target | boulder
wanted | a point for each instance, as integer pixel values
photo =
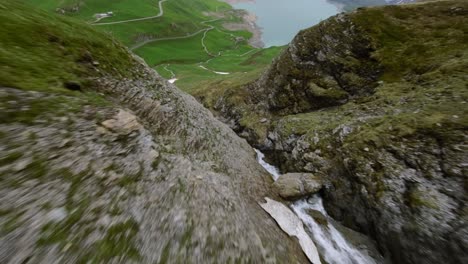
(293, 186)
(123, 123)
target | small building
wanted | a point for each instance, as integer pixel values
(103, 15)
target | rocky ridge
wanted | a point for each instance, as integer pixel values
(123, 168)
(376, 101)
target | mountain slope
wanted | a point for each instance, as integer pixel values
(101, 160)
(375, 101)
(175, 37)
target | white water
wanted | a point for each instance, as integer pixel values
(268, 167)
(173, 80)
(331, 244)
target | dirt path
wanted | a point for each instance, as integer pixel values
(139, 45)
(204, 30)
(161, 13)
(170, 71)
(204, 36)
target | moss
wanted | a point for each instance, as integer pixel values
(10, 158)
(187, 236)
(38, 168)
(182, 185)
(20, 108)
(60, 232)
(417, 199)
(118, 242)
(414, 39)
(76, 183)
(14, 220)
(156, 162)
(128, 180)
(333, 94)
(165, 254)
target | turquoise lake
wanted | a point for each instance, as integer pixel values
(280, 20)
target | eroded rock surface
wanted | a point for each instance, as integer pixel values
(127, 170)
(293, 186)
(375, 100)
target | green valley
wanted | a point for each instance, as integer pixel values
(185, 40)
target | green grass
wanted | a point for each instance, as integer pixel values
(181, 18)
(242, 69)
(174, 51)
(41, 51)
(423, 88)
(414, 43)
(123, 9)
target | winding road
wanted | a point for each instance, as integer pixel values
(205, 30)
(161, 13)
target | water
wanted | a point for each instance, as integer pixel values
(331, 244)
(280, 20)
(268, 167)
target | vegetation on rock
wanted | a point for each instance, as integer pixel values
(126, 168)
(375, 99)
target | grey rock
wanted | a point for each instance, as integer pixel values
(297, 185)
(22, 164)
(181, 173)
(57, 214)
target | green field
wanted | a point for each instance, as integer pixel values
(188, 34)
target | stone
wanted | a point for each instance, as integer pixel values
(124, 123)
(294, 186)
(318, 217)
(292, 225)
(57, 214)
(153, 154)
(21, 165)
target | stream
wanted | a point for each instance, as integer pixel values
(331, 244)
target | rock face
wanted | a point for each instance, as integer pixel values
(324, 66)
(129, 170)
(376, 101)
(293, 186)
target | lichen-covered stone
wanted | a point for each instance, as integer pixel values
(293, 186)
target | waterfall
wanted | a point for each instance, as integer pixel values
(331, 244)
(268, 167)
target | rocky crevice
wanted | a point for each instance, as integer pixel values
(354, 99)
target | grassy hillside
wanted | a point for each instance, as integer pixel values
(419, 52)
(104, 174)
(189, 32)
(43, 51)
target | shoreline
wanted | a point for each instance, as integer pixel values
(249, 23)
